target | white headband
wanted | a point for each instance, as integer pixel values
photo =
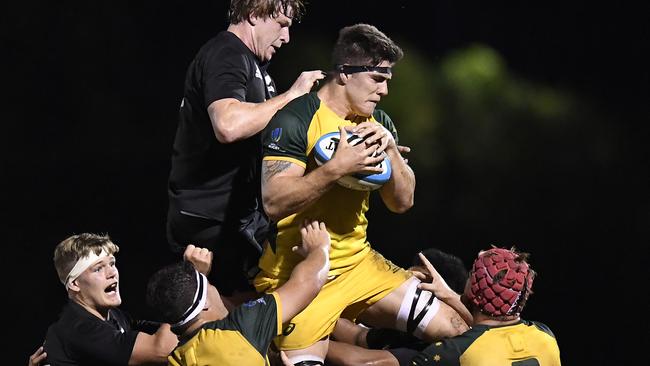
(198, 303)
(82, 264)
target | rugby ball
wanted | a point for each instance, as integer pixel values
(324, 151)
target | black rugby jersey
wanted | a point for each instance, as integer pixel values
(208, 178)
(81, 338)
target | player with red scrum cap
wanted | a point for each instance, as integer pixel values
(496, 292)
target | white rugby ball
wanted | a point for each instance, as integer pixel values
(325, 149)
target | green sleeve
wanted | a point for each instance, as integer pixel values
(385, 121)
(256, 321)
(285, 136)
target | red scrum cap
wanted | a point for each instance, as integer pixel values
(500, 282)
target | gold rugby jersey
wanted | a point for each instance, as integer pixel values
(242, 338)
(525, 343)
(291, 136)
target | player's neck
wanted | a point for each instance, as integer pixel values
(332, 95)
(100, 313)
(482, 319)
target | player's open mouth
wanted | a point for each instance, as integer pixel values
(111, 289)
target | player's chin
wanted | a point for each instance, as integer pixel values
(269, 53)
(364, 112)
(368, 109)
(116, 302)
(113, 300)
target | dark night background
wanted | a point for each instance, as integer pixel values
(527, 120)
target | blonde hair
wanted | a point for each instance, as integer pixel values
(68, 252)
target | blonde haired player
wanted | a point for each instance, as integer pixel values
(92, 330)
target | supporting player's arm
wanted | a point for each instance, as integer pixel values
(345, 354)
(442, 291)
(153, 348)
(286, 189)
(234, 120)
(348, 332)
(310, 274)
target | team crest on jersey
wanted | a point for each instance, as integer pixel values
(275, 137)
(276, 134)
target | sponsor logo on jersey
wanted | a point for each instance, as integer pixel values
(258, 73)
(269, 84)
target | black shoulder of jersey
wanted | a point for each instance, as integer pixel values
(543, 327)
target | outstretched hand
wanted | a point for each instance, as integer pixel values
(201, 258)
(432, 280)
(437, 285)
(305, 82)
(314, 237)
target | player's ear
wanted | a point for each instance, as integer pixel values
(344, 78)
(74, 286)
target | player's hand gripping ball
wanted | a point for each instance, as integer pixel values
(324, 151)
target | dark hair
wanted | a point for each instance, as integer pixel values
(170, 291)
(364, 45)
(450, 267)
(242, 10)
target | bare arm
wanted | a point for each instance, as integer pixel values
(399, 192)
(153, 348)
(309, 275)
(233, 120)
(344, 354)
(348, 332)
(287, 190)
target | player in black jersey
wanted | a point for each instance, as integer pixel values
(213, 187)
